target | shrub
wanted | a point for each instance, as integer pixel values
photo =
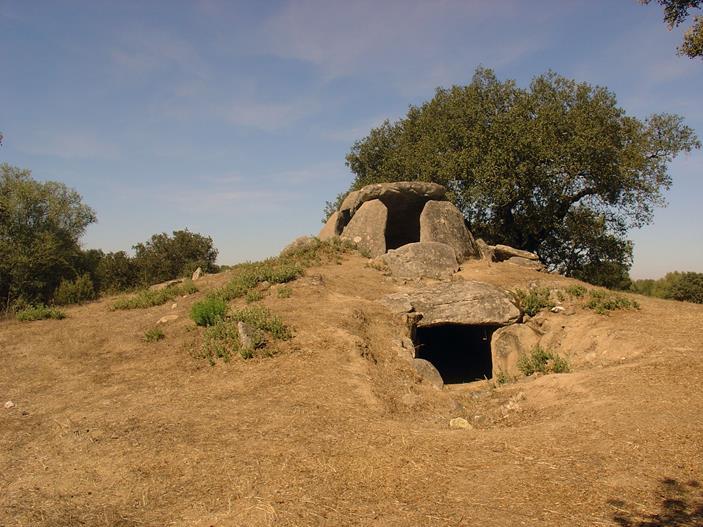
(147, 298)
(117, 272)
(75, 291)
(576, 291)
(39, 312)
(253, 295)
(284, 292)
(221, 340)
(261, 318)
(209, 311)
(603, 302)
(154, 335)
(534, 300)
(542, 361)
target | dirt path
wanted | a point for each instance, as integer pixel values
(337, 430)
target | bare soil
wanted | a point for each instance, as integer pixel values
(336, 429)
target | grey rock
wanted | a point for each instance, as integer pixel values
(503, 252)
(390, 191)
(535, 265)
(428, 372)
(486, 251)
(9, 405)
(422, 259)
(198, 273)
(508, 344)
(164, 285)
(368, 227)
(441, 221)
(246, 335)
(457, 302)
(333, 227)
(166, 319)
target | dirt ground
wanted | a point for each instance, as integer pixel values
(336, 429)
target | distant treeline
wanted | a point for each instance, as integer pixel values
(687, 287)
(42, 262)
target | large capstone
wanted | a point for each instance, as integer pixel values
(457, 302)
(390, 192)
(422, 260)
(441, 221)
(368, 227)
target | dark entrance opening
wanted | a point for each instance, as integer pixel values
(460, 353)
(403, 224)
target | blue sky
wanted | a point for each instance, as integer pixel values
(233, 118)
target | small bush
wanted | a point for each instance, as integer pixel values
(542, 361)
(154, 335)
(533, 301)
(284, 292)
(147, 298)
(75, 291)
(576, 291)
(39, 312)
(253, 296)
(602, 302)
(261, 318)
(221, 341)
(209, 311)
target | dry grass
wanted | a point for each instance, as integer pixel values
(109, 430)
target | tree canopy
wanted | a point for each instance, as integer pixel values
(40, 228)
(556, 168)
(675, 13)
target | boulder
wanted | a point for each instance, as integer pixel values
(508, 344)
(441, 221)
(503, 252)
(197, 274)
(391, 191)
(422, 260)
(457, 302)
(166, 319)
(525, 262)
(333, 227)
(459, 423)
(247, 336)
(428, 372)
(164, 285)
(368, 227)
(486, 251)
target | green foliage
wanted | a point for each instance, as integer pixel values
(147, 298)
(208, 311)
(154, 335)
(221, 340)
(165, 257)
(39, 312)
(261, 318)
(116, 272)
(557, 168)
(534, 300)
(675, 12)
(41, 224)
(75, 291)
(253, 295)
(285, 292)
(602, 302)
(576, 291)
(683, 286)
(539, 360)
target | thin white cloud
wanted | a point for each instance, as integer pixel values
(268, 116)
(68, 144)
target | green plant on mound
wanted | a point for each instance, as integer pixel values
(39, 312)
(284, 292)
(222, 339)
(602, 302)
(154, 335)
(75, 291)
(208, 311)
(534, 300)
(539, 360)
(253, 295)
(148, 298)
(576, 291)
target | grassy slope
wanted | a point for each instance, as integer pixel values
(336, 430)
